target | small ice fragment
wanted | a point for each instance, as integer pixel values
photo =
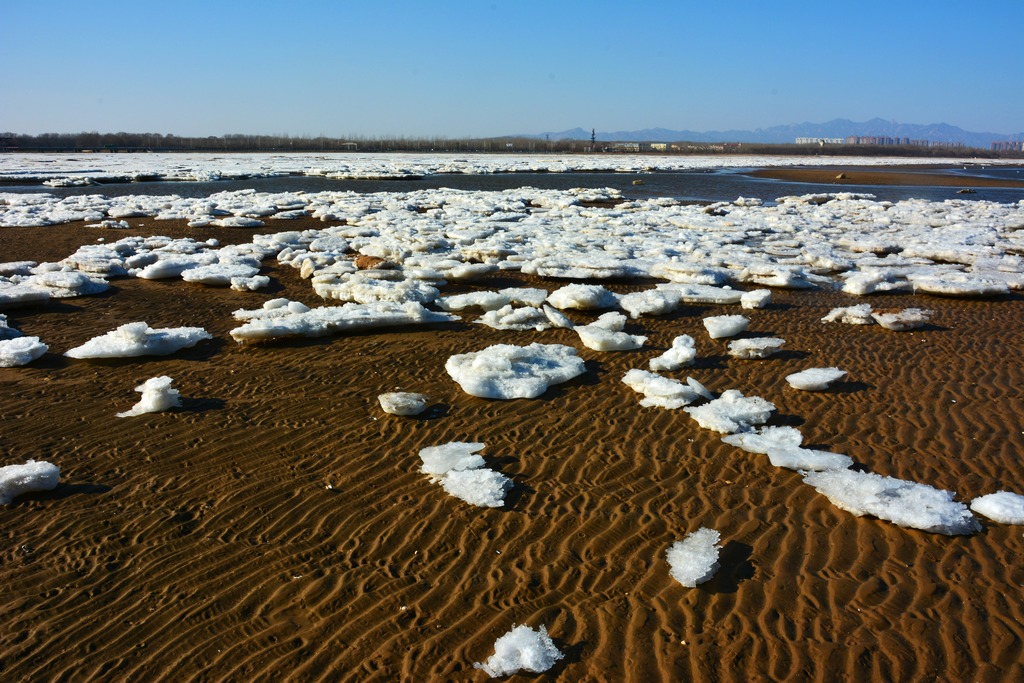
(815, 379)
(757, 298)
(34, 475)
(658, 391)
(851, 315)
(599, 338)
(403, 403)
(719, 326)
(482, 487)
(521, 649)
(1003, 507)
(902, 321)
(457, 455)
(682, 353)
(756, 348)
(157, 396)
(694, 559)
(558, 319)
(583, 297)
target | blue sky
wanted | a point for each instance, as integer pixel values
(466, 69)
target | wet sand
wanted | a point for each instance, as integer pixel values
(276, 527)
(895, 175)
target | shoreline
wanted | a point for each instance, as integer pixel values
(890, 176)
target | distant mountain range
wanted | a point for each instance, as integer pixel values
(837, 128)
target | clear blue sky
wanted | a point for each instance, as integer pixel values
(441, 68)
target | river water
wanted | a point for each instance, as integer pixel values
(703, 185)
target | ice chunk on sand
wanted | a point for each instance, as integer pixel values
(512, 318)
(67, 284)
(521, 649)
(453, 456)
(21, 294)
(600, 338)
(139, 339)
(650, 302)
(905, 503)
(558, 319)
(815, 379)
(658, 391)
(782, 446)
(732, 412)
(682, 353)
(506, 371)
(34, 475)
(403, 403)
(694, 559)
(219, 274)
(263, 325)
(719, 326)
(757, 298)
(903, 321)
(487, 301)
(956, 284)
(583, 297)
(851, 315)
(755, 348)
(20, 351)
(157, 395)
(1003, 507)
(461, 472)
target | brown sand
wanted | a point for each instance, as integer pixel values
(896, 175)
(277, 528)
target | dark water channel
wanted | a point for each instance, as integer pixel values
(707, 185)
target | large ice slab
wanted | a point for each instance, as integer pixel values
(506, 371)
(139, 339)
(732, 412)
(904, 503)
(264, 325)
(20, 351)
(720, 326)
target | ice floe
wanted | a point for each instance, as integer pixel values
(157, 395)
(681, 354)
(732, 412)
(290, 321)
(521, 649)
(583, 297)
(1003, 507)
(719, 326)
(20, 350)
(506, 371)
(904, 503)
(782, 446)
(755, 348)
(607, 334)
(694, 560)
(815, 379)
(661, 392)
(458, 468)
(139, 339)
(904, 320)
(30, 477)
(404, 403)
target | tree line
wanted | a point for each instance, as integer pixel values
(157, 142)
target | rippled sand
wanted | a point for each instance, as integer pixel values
(277, 527)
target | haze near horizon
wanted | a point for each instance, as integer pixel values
(469, 69)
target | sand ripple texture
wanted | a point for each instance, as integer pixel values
(276, 527)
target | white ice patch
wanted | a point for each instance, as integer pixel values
(219, 274)
(757, 298)
(460, 471)
(583, 297)
(139, 339)
(851, 315)
(157, 395)
(658, 391)
(719, 326)
(732, 412)
(682, 353)
(904, 503)
(1003, 507)
(650, 302)
(557, 318)
(694, 559)
(512, 318)
(905, 320)
(815, 379)
(755, 348)
(403, 403)
(505, 371)
(30, 477)
(599, 338)
(521, 649)
(270, 324)
(20, 351)
(67, 284)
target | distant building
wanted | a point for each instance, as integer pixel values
(1007, 146)
(624, 147)
(819, 141)
(659, 146)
